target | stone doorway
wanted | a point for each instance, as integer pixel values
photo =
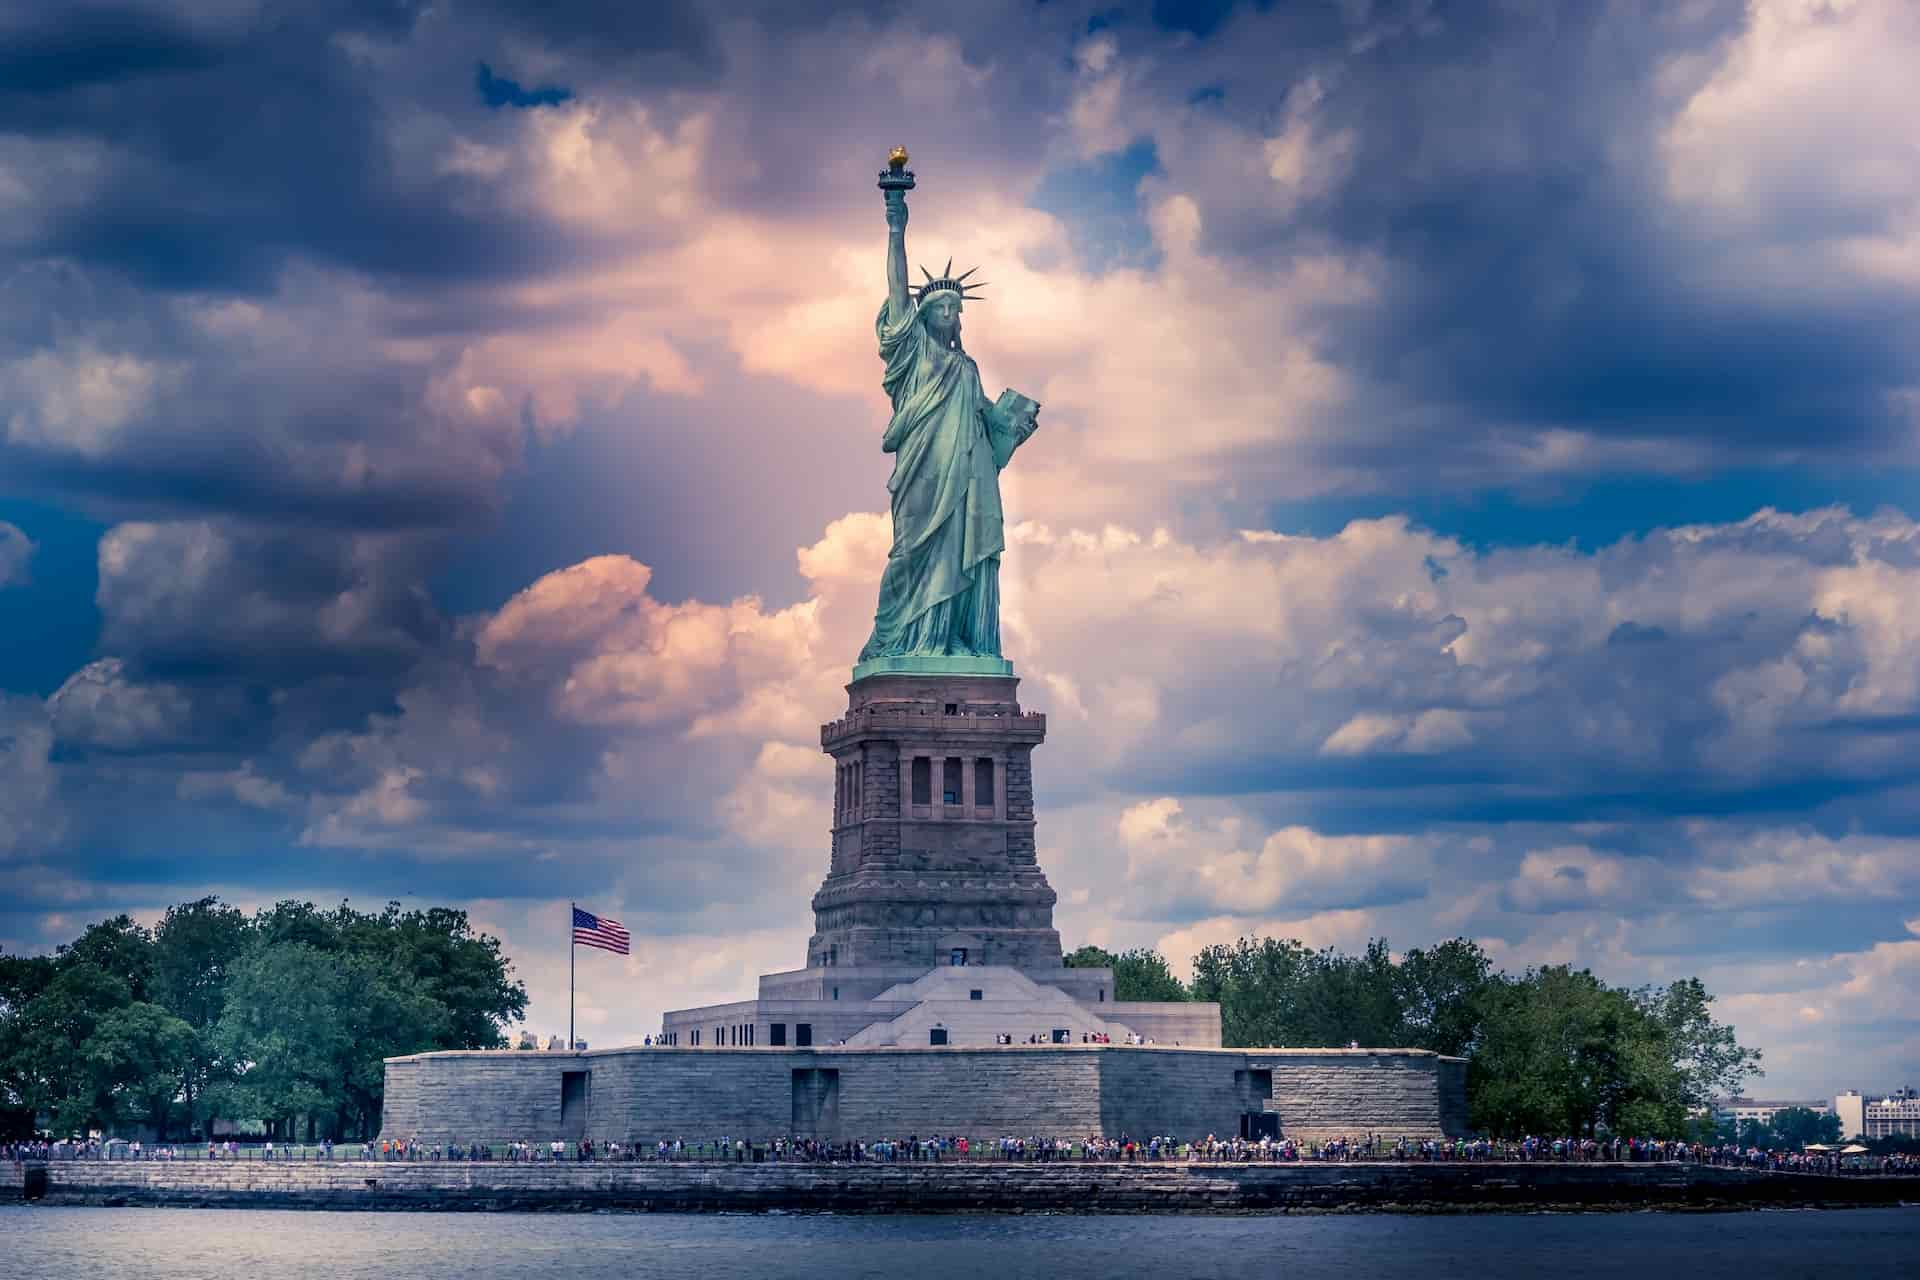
(573, 1105)
(816, 1102)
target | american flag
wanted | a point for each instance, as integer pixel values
(590, 930)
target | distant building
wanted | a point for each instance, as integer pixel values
(1738, 1111)
(1897, 1115)
(1864, 1116)
(1852, 1110)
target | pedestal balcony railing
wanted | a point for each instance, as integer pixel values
(1027, 725)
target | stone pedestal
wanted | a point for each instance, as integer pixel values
(933, 878)
(933, 836)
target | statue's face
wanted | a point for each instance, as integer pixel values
(943, 319)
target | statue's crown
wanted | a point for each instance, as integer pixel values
(946, 280)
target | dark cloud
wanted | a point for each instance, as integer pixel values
(498, 91)
(52, 52)
(197, 597)
(1506, 167)
(1195, 17)
(140, 404)
(280, 148)
(669, 40)
(1724, 674)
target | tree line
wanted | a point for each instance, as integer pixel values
(1553, 1050)
(1793, 1127)
(285, 1017)
(281, 1017)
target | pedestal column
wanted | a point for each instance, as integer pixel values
(934, 858)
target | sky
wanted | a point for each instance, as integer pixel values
(1477, 491)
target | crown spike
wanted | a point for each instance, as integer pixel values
(947, 282)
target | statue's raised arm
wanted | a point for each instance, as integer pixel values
(897, 181)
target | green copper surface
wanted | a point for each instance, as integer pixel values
(940, 592)
(932, 665)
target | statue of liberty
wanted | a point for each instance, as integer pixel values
(939, 607)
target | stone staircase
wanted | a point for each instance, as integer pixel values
(1009, 1003)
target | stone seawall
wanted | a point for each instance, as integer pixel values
(978, 1187)
(647, 1094)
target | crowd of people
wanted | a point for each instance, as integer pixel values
(135, 1149)
(1031, 1148)
(17, 1152)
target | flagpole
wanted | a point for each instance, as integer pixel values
(570, 977)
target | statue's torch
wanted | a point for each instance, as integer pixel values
(896, 176)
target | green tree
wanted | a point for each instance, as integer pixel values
(43, 1043)
(1139, 974)
(1559, 1051)
(465, 974)
(1441, 991)
(195, 946)
(1088, 957)
(22, 978)
(1893, 1144)
(1276, 992)
(1711, 1062)
(287, 1028)
(1700, 1126)
(1554, 1050)
(136, 1058)
(320, 999)
(1534, 1062)
(1797, 1127)
(1346, 999)
(120, 947)
(309, 1032)
(284, 1017)
(1256, 983)
(288, 922)
(1144, 974)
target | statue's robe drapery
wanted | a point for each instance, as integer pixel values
(940, 593)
